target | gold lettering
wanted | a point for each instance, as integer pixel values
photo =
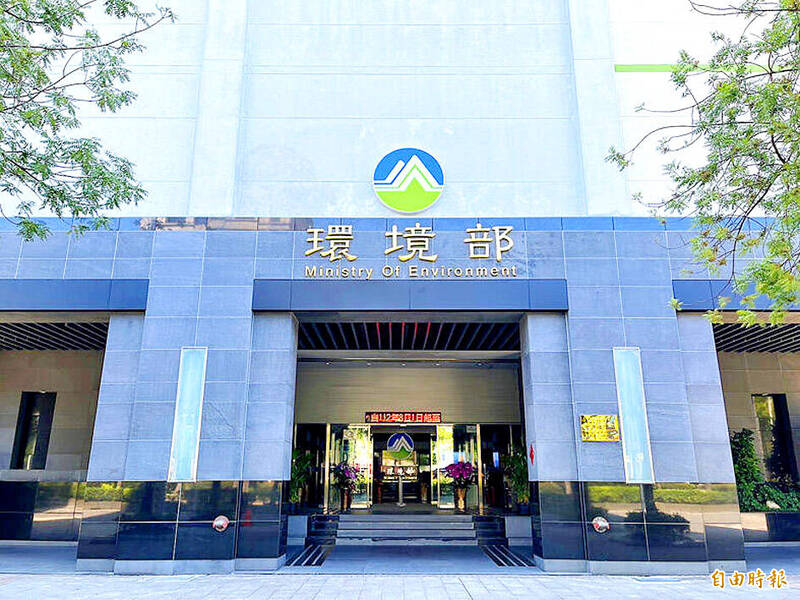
(494, 271)
(482, 271)
(506, 271)
(468, 272)
(311, 271)
(413, 271)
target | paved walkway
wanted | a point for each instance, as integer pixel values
(384, 560)
(354, 587)
(34, 571)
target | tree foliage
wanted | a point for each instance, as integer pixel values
(52, 61)
(743, 105)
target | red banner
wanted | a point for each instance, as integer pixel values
(395, 417)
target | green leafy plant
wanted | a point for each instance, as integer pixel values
(743, 106)
(52, 61)
(747, 468)
(517, 473)
(755, 494)
(302, 464)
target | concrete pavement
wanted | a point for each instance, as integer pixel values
(394, 587)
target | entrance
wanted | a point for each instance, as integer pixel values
(394, 403)
(402, 467)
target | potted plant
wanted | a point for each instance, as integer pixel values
(517, 473)
(345, 477)
(301, 475)
(462, 474)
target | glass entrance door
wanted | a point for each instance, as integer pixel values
(455, 443)
(351, 444)
(358, 453)
(424, 481)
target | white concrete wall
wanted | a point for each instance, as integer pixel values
(646, 33)
(282, 108)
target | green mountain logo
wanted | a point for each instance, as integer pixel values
(408, 180)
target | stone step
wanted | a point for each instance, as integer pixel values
(403, 525)
(408, 518)
(407, 533)
(405, 542)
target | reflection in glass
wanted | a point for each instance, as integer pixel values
(775, 433)
(34, 424)
(616, 502)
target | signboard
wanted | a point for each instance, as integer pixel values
(335, 251)
(599, 428)
(394, 417)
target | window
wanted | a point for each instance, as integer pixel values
(633, 416)
(34, 422)
(775, 432)
(188, 414)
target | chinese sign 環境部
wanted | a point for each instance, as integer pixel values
(418, 242)
(599, 428)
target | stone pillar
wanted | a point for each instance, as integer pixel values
(115, 402)
(547, 397)
(712, 450)
(270, 401)
(709, 425)
(550, 432)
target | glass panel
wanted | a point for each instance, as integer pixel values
(633, 416)
(357, 449)
(188, 413)
(442, 458)
(335, 455)
(775, 433)
(34, 424)
(465, 449)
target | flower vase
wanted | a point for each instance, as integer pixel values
(461, 499)
(347, 499)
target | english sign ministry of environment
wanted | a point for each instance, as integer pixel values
(409, 180)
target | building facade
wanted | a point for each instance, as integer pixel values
(266, 299)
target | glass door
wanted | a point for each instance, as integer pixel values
(441, 456)
(350, 444)
(465, 449)
(335, 450)
(358, 453)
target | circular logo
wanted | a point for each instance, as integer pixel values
(601, 524)
(408, 180)
(221, 523)
(400, 446)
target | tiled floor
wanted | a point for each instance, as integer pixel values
(34, 571)
(389, 587)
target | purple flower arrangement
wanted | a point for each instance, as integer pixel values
(345, 476)
(462, 474)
